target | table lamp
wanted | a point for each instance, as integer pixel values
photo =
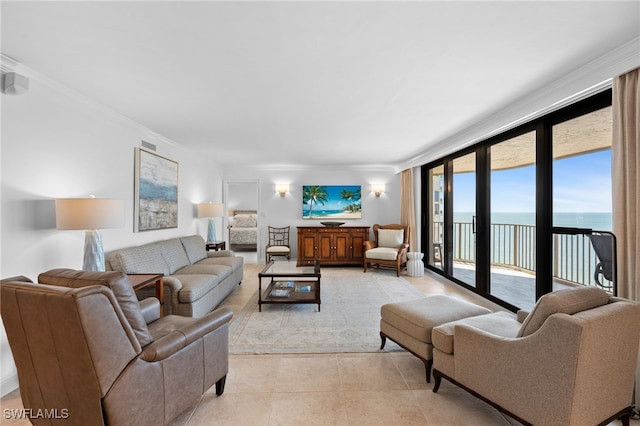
(211, 210)
(91, 214)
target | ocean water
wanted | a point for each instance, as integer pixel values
(575, 259)
(592, 220)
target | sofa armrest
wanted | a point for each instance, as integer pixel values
(150, 308)
(178, 339)
(221, 253)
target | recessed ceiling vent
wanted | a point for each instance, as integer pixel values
(148, 145)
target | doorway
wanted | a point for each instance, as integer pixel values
(242, 207)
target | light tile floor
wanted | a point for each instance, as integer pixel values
(330, 389)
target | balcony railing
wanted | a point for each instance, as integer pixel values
(514, 246)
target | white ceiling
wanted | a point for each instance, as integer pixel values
(311, 83)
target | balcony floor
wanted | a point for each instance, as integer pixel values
(512, 286)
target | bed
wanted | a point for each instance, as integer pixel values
(243, 230)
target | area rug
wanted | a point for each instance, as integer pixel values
(349, 320)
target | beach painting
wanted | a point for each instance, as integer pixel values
(331, 202)
(156, 192)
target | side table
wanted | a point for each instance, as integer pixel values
(415, 265)
(217, 245)
(139, 281)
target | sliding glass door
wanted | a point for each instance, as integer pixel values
(435, 214)
(464, 219)
(513, 220)
(582, 199)
(495, 209)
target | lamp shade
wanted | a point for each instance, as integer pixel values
(89, 213)
(210, 210)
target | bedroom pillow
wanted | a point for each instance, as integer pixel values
(245, 221)
(390, 237)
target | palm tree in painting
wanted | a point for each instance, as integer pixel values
(347, 196)
(314, 195)
(352, 198)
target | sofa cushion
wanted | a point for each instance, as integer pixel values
(564, 301)
(119, 285)
(234, 262)
(382, 253)
(222, 271)
(501, 324)
(146, 259)
(390, 237)
(195, 248)
(194, 286)
(174, 254)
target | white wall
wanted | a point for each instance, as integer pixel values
(56, 144)
(242, 196)
(277, 211)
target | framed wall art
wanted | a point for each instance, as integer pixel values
(331, 202)
(156, 192)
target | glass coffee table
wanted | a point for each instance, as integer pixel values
(289, 284)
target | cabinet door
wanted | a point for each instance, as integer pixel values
(341, 247)
(307, 247)
(325, 245)
(357, 249)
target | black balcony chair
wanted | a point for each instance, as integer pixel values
(604, 246)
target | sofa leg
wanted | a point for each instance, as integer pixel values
(428, 363)
(438, 379)
(625, 420)
(220, 385)
(383, 338)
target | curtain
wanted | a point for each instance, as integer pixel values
(626, 184)
(626, 181)
(407, 210)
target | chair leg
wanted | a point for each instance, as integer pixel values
(220, 385)
(383, 338)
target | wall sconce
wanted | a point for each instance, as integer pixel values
(91, 214)
(211, 210)
(282, 189)
(377, 188)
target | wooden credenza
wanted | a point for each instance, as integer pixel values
(340, 245)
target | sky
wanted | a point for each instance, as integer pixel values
(580, 184)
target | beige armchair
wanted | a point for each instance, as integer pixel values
(389, 247)
(86, 349)
(571, 361)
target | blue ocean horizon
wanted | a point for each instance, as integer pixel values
(322, 213)
(601, 221)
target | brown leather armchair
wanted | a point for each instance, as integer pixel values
(86, 348)
(389, 247)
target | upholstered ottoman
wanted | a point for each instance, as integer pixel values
(410, 323)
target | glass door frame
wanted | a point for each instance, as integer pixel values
(544, 199)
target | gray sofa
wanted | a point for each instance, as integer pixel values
(195, 281)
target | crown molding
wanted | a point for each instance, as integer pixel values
(379, 168)
(592, 78)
